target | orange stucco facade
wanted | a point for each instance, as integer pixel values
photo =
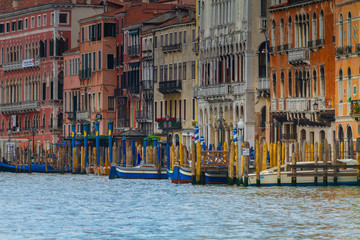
(347, 69)
(302, 70)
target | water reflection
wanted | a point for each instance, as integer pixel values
(40, 206)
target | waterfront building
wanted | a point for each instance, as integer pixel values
(232, 79)
(302, 63)
(347, 73)
(174, 77)
(33, 37)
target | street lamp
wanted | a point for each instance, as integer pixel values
(221, 123)
(33, 129)
(241, 126)
(9, 133)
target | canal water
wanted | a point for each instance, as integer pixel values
(40, 206)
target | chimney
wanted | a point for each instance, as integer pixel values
(15, 3)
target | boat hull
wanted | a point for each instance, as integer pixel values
(39, 168)
(180, 175)
(271, 180)
(140, 173)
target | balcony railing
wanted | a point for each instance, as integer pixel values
(133, 50)
(27, 106)
(144, 115)
(175, 123)
(146, 84)
(288, 136)
(299, 56)
(168, 87)
(214, 91)
(263, 84)
(172, 48)
(82, 115)
(23, 64)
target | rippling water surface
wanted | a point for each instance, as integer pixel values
(40, 206)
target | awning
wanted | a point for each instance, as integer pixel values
(134, 32)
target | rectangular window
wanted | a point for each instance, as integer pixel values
(184, 110)
(184, 71)
(39, 21)
(94, 61)
(156, 114)
(110, 61)
(175, 71)
(109, 29)
(2, 28)
(155, 74)
(13, 26)
(180, 71)
(184, 36)
(110, 103)
(165, 73)
(20, 25)
(193, 35)
(52, 19)
(82, 34)
(161, 73)
(170, 72)
(99, 102)
(63, 18)
(99, 60)
(193, 70)
(26, 23)
(44, 20)
(32, 24)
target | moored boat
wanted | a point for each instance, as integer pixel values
(39, 168)
(269, 177)
(140, 172)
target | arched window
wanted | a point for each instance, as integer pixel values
(349, 83)
(314, 83)
(273, 35)
(274, 85)
(290, 32)
(341, 30)
(282, 85)
(262, 60)
(322, 82)
(349, 29)
(321, 25)
(290, 84)
(314, 27)
(340, 85)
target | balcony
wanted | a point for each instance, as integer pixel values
(82, 115)
(299, 56)
(147, 84)
(172, 48)
(216, 92)
(29, 106)
(144, 116)
(288, 136)
(133, 50)
(168, 87)
(263, 84)
(175, 123)
(24, 64)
